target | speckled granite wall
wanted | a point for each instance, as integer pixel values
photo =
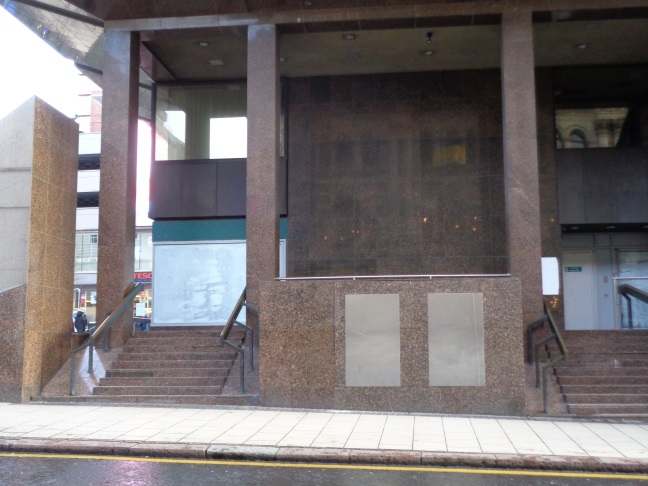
(396, 174)
(118, 176)
(40, 146)
(12, 311)
(302, 354)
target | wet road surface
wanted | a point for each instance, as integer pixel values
(84, 470)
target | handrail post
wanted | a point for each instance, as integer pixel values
(536, 356)
(251, 349)
(90, 356)
(72, 372)
(242, 371)
(534, 351)
(249, 336)
(544, 389)
(630, 313)
(106, 341)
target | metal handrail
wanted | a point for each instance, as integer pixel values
(231, 322)
(627, 291)
(126, 303)
(396, 277)
(534, 348)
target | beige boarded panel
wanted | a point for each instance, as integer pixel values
(456, 339)
(372, 339)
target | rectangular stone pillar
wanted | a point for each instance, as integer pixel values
(521, 159)
(263, 109)
(38, 175)
(118, 175)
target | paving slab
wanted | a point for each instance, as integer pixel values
(326, 436)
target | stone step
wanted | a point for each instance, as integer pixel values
(604, 380)
(609, 336)
(184, 334)
(156, 399)
(607, 363)
(169, 339)
(599, 371)
(604, 389)
(169, 373)
(608, 410)
(603, 348)
(612, 356)
(156, 390)
(176, 347)
(175, 356)
(608, 398)
(164, 381)
(161, 365)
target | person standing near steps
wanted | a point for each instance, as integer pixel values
(80, 320)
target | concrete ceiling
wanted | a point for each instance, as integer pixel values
(136, 9)
(395, 50)
(382, 44)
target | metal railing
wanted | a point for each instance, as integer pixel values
(126, 304)
(231, 322)
(534, 348)
(627, 291)
(397, 277)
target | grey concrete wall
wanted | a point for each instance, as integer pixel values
(16, 152)
(604, 185)
(38, 155)
(303, 347)
(396, 174)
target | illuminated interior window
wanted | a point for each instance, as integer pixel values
(228, 138)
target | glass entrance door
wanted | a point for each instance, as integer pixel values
(631, 289)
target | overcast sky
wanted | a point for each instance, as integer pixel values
(31, 67)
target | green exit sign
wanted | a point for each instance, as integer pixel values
(573, 269)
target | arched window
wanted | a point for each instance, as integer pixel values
(577, 139)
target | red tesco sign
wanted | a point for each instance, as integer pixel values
(143, 277)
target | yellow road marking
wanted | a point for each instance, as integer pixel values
(503, 472)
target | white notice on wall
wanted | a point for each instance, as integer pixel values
(140, 309)
(550, 276)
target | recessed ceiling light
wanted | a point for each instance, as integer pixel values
(349, 37)
(203, 43)
(429, 52)
(581, 46)
(610, 227)
(282, 59)
(308, 3)
(574, 227)
(216, 62)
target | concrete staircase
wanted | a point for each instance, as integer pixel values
(606, 373)
(181, 365)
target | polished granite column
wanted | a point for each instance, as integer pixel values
(118, 175)
(521, 159)
(263, 107)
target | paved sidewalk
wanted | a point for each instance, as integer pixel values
(326, 436)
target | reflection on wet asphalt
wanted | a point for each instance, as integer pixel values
(74, 471)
